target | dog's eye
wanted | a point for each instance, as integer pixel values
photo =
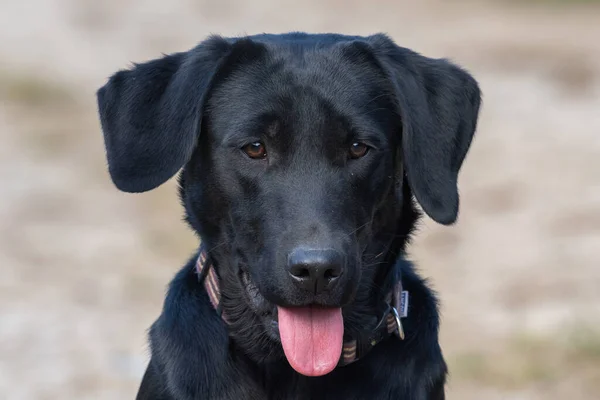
(358, 150)
(255, 150)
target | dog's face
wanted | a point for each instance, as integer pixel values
(297, 151)
(300, 162)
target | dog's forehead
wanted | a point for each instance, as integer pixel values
(309, 86)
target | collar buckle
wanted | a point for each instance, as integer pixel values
(399, 329)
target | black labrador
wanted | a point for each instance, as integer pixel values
(302, 157)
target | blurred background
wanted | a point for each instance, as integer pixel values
(83, 267)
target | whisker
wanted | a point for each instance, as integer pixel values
(362, 226)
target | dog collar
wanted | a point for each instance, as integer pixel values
(389, 324)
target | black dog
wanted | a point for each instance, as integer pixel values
(301, 155)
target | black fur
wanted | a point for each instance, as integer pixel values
(308, 98)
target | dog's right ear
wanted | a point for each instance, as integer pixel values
(151, 115)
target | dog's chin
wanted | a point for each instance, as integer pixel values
(264, 310)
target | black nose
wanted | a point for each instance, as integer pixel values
(315, 270)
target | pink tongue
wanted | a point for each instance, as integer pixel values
(312, 338)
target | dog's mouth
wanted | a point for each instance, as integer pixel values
(311, 336)
(264, 309)
(256, 300)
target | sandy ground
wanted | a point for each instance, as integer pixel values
(83, 267)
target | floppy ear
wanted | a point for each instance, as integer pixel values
(151, 114)
(439, 106)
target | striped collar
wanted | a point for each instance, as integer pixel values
(389, 324)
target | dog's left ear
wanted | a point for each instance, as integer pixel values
(439, 107)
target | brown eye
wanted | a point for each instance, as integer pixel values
(358, 150)
(255, 150)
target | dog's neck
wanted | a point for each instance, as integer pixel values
(389, 322)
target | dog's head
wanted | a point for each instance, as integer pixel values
(300, 154)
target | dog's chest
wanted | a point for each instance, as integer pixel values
(371, 378)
